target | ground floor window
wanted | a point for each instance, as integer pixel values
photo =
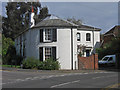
(48, 52)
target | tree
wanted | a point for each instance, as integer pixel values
(111, 48)
(81, 49)
(17, 18)
(6, 44)
(43, 14)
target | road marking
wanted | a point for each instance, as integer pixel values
(51, 76)
(27, 78)
(64, 84)
(104, 76)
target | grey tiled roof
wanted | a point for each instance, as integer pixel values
(88, 27)
(55, 23)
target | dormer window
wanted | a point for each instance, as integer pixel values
(88, 37)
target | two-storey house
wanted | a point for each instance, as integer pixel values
(57, 38)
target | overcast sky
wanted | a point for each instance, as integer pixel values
(103, 15)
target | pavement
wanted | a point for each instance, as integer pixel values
(26, 78)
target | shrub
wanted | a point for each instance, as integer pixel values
(18, 60)
(41, 65)
(49, 64)
(30, 63)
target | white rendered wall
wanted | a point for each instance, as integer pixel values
(88, 43)
(32, 42)
(63, 47)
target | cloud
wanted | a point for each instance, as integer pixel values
(102, 15)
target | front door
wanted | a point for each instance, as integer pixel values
(87, 53)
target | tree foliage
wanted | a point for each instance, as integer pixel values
(18, 14)
(111, 48)
(7, 46)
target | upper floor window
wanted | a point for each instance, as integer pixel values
(78, 36)
(88, 37)
(48, 35)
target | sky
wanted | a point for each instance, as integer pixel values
(103, 15)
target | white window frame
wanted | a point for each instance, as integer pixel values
(89, 37)
(79, 36)
(44, 50)
(44, 35)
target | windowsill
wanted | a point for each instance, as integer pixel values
(78, 41)
(47, 41)
(88, 41)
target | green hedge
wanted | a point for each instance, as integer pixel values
(49, 64)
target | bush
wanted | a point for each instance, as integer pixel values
(18, 60)
(49, 64)
(30, 63)
(41, 66)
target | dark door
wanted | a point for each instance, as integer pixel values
(87, 53)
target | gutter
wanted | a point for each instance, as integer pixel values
(71, 49)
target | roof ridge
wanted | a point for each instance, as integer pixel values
(70, 22)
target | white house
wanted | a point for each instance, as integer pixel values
(57, 38)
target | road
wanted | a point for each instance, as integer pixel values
(18, 79)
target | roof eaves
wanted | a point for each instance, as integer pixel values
(22, 32)
(89, 29)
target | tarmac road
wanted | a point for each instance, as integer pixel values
(49, 79)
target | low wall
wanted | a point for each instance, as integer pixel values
(90, 62)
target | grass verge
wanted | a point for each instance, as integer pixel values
(10, 66)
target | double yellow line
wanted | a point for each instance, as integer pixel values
(111, 86)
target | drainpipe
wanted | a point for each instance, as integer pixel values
(93, 39)
(71, 49)
(93, 49)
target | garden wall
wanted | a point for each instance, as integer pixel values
(90, 62)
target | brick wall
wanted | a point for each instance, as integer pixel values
(90, 62)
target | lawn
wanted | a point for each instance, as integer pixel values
(10, 66)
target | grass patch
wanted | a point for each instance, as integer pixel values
(10, 66)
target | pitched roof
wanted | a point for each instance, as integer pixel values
(53, 21)
(88, 27)
(117, 27)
